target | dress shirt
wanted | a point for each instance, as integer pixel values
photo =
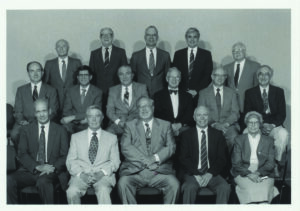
(38, 87)
(109, 52)
(123, 90)
(199, 141)
(60, 64)
(189, 53)
(253, 141)
(220, 91)
(261, 93)
(154, 50)
(86, 89)
(145, 128)
(175, 102)
(242, 63)
(46, 129)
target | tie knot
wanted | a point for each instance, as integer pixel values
(265, 91)
(83, 91)
(106, 49)
(192, 51)
(203, 132)
(126, 88)
(147, 124)
(171, 91)
(63, 61)
(35, 86)
(42, 127)
(151, 51)
(94, 133)
(218, 90)
(238, 65)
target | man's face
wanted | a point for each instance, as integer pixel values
(173, 79)
(151, 37)
(94, 118)
(106, 38)
(145, 110)
(125, 76)
(192, 39)
(84, 77)
(201, 117)
(35, 73)
(219, 77)
(264, 77)
(253, 125)
(238, 53)
(62, 48)
(42, 112)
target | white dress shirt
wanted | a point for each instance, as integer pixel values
(253, 141)
(189, 53)
(129, 91)
(199, 141)
(109, 52)
(242, 63)
(154, 50)
(60, 64)
(175, 102)
(86, 89)
(46, 130)
(38, 87)
(220, 91)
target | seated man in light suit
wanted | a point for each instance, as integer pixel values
(121, 105)
(223, 106)
(78, 98)
(147, 145)
(92, 160)
(269, 101)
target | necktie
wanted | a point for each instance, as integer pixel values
(173, 91)
(237, 75)
(218, 101)
(151, 63)
(93, 148)
(41, 152)
(204, 165)
(82, 96)
(63, 70)
(265, 100)
(35, 94)
(191, 64)
(148, 137)
(106, 58)
(126, 97)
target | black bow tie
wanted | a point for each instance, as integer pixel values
(173, 91)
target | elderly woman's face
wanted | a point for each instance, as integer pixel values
(253, 125)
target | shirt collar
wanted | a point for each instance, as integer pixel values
(150, 122)
(129, 87)
(39, 84)
(90, 132)
(148, 50)
(109, 48)
(169, 88)
(241, 62)
(46, 124)
(65, 59)
(86, 88)
(262, 89)
(215, 88)
(194, 49)
(200, 129)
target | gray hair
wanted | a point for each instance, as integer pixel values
(91, 107)
(106, 28)
(150, 101)
(191, 30)
(240, 44)
(255, 114)
(62, 40)
(173, 69)
(270, 70)
(153, 27)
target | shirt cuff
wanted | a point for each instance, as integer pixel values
(78, 175)
(156, 158)
(117, 121)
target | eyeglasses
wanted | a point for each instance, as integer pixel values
(83, 75)
(253, 123)
(219, 75)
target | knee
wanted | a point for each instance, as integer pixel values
(173, 183)
(189, 187)
(72, 191)
(123, 182)
(225, 187)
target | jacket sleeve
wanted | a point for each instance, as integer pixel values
(268, 167)
(235, 111)
(63, 150)
(18, 109)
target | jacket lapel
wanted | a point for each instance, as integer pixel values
(51, 140)
(36, 138)
(195, 149)
(101, 57)
(144, 61)
(42, 93)
(141, 133)
(158, 61)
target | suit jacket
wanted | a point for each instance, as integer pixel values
(241, 156)
(73, 106)
(24, 108)
(201, 74)
(247, 80)
(52, 76)
(229, 110)
(116, 109)
(163, 107)
(57, 148)
(189, 152)
(254, 102)
(107, 158)
(106, 78)
(139, 66)
(134, 149)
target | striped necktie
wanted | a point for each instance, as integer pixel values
(42, 142)
(106, 58)
(151, 63)
(204, 165)
(191, 64)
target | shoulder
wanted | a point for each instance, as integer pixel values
(228, 66)
(276, 88)
(75, 60)
(162, 123)
(95, 89)
(50, 61)
(48, 87)
(160, 93)
(267, 139)
(229, 90)
(206, 90)
(115, 48)
(23, 87)
(162, 52)
(214, 132)
(251, 62)
(181, 51)
(108, 136)
(203, 51)
(96, 51)
(138, 53)
(252, 90)
(114, 88)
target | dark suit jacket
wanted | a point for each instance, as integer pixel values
(24, 108)
(189, 152)
(254, 102)
(139, 66)
(163, 108)
(57, 148)
(201, 74)
(53, 78)
(242, 152)
(134, 149)
(106, 78)
(247, 80)
(73, 106)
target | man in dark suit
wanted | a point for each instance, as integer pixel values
(24, 112)
(151, 64)
(202, 159)
(42, 153)
(174, 105)
(59, 72)
(194, 63)
(269, 101)
(241, 75)
(122, 98)
(147, 145)
(78, 98)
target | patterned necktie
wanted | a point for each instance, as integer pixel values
(204, 165)
(191, 64)
(82, 96)
(63, 70)
(265, 100)
(106, 58)
(148, 137)
(171, 91)
(35, 94)
(42, 142)
(237, 75)
(126, 97)
(93, 147)
(218, 101)
(151, 63)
